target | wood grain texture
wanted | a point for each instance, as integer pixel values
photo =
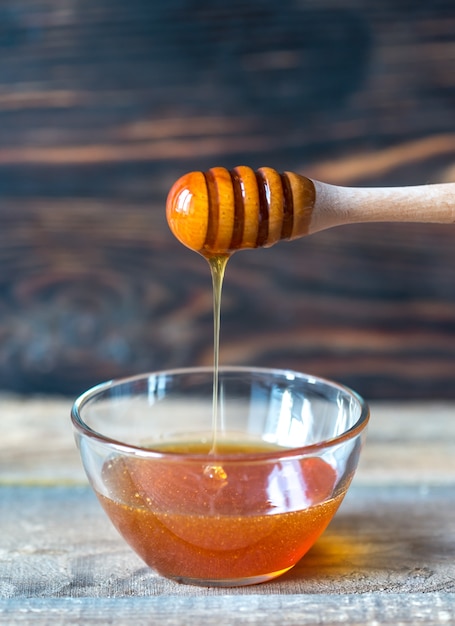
(57, 542)
(415, 442)
(387, 557)
(356, 610)
(104, 104)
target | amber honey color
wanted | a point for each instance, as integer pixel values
(236, 521)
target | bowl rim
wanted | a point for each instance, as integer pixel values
(84, 429)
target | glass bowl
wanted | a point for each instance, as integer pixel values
(236, 505)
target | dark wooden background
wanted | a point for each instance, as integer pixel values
(104, 103)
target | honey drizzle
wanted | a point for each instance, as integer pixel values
(217, 267)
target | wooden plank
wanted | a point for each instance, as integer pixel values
(369, 306)
(387, 557)
(296, 610)
(57, 542)
(334, 72)
(38, 447)
(406, 442)
(62, 564)
(103, 105)
(409, 444)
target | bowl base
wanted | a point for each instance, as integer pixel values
(231, 582)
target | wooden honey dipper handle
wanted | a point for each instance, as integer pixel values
(221, 211)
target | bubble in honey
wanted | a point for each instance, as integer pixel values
(216, 473)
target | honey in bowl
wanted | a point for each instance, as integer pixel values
(287, 447)
(227, 521)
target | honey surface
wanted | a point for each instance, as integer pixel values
(216, 522)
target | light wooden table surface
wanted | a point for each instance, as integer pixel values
(387, 558)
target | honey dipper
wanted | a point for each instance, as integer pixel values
(220, 211)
